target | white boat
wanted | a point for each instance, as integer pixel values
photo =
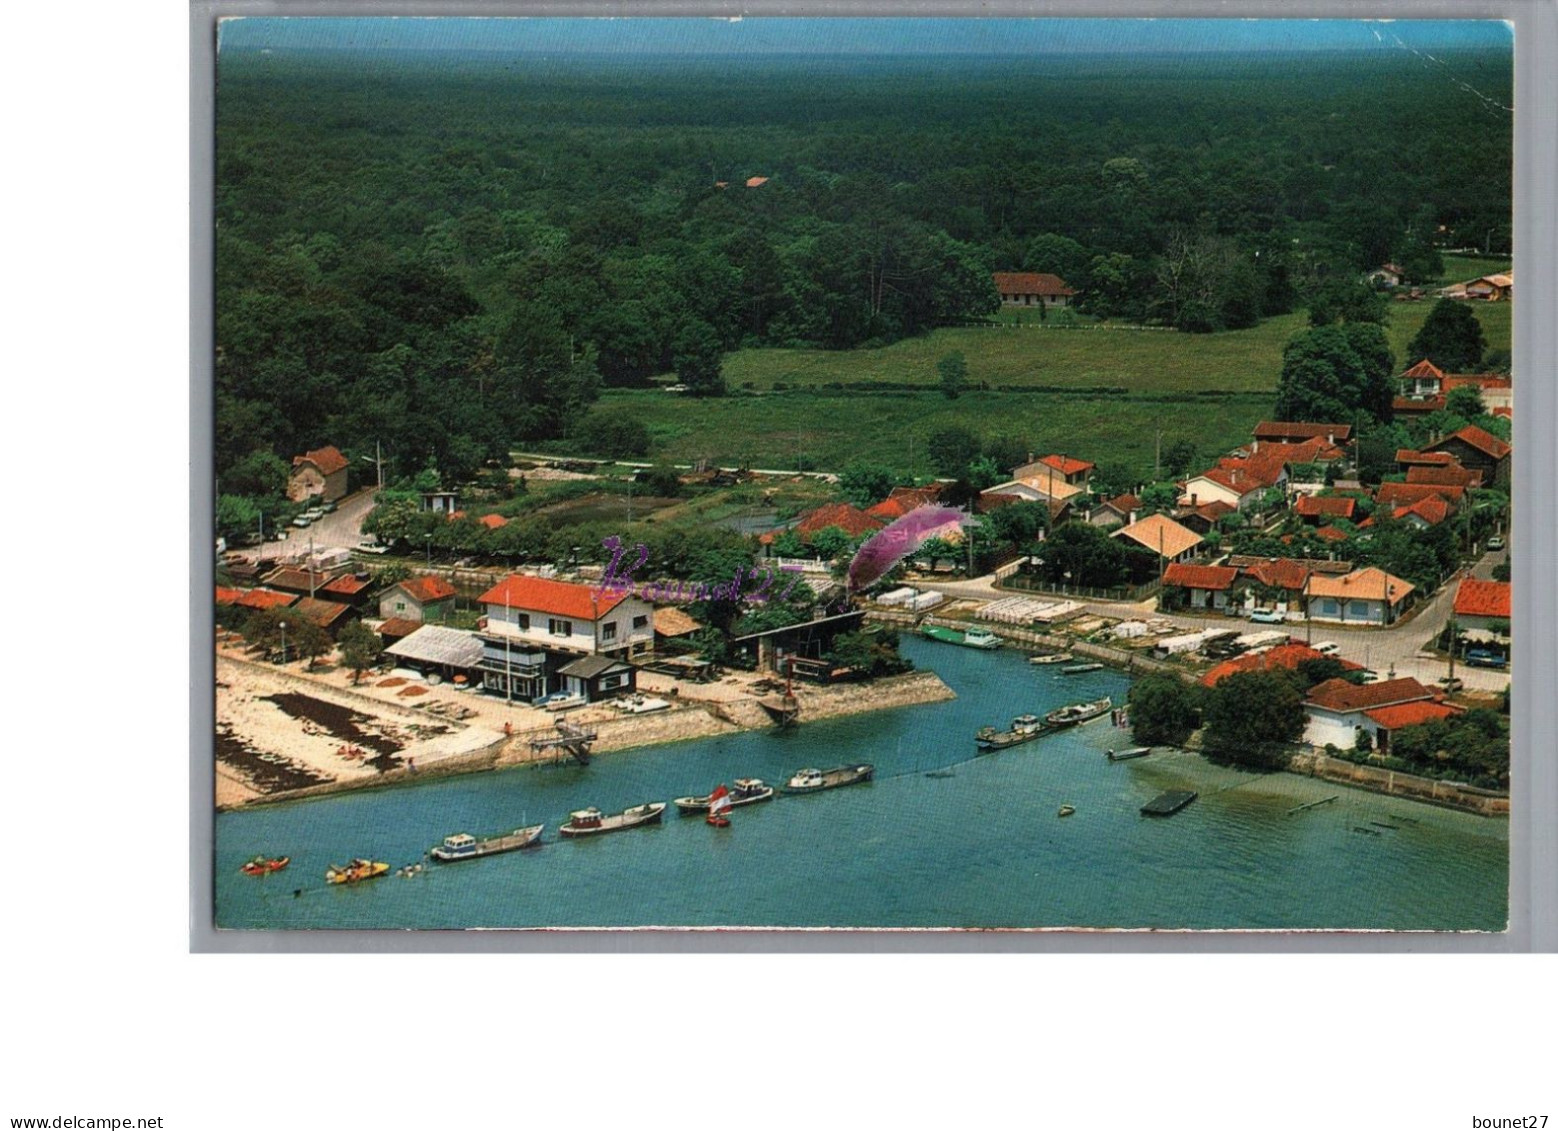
(463, 846)
(1052, 658)
(1075, 713)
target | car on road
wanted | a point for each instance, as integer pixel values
(1496, 542)
(1267, 616)
(1486, 658)
(1327, 647)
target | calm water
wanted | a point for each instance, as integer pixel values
(981, 848)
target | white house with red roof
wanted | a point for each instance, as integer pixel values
(535, 627)
(1479, 603)
(1208, 587)
(1338, 709)
(1066, 469)
(319, 474)
(418, 599)
(1028, 288)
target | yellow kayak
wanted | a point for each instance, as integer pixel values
(355, 871)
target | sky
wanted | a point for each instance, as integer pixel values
(774, 36)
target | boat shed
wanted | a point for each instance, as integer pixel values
(598, 677)
(436, 650)
(807, 641)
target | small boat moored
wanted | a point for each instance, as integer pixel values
(1074, 713)
(748, 791)
(1066, 810)
(814, 781)
(1052, 658)
(356, 872)
(1127, 755)
(463, 846)
(1078, 669)
(1025, 728)
(588, 822)
(265, 865)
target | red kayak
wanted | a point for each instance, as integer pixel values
(260, 866)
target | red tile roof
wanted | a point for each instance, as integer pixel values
(1472, 436)
(427, 589)
(1200, 576)
(1424, 459)
(1066, 465)
(226, 596)
(1029, 283)
(1411, 714)
(1332, 534)
(1341, 696)
(1282, 431)
(1280, 573)
(399, 627)
(1414, 405)
(1285, 657)
(1332, 506)
(347, 585)
(1424, 368)
(323, 613)
(493, 521)
(327, 459)
(1477, 380)
(1432, 510)
(1125, 504)
(520, 591)
(1214, 510)
(265, 599)
(1449, 476)
(850, 519)
(1405, 494)
(1317, 449)
(297, 580)
(1478, 598)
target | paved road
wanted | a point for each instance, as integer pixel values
(341, 529)
(1380, 649)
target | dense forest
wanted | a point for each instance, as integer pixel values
(449, 257)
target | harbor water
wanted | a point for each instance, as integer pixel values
(978, 845)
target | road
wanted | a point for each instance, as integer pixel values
(1384, 650)
(341, 529)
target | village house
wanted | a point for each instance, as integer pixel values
(1118, 511)
(1167, 539)
(319, 474)
(1240, 483)
(1201, 519)
(419, 599)
(1430, 511)
(349, 589)
(1386, 275)
(1492, 288)
(439, 653)
(1205, 586)
(441, 502)
(1425, 379)
(332, 616)
(1297, 432)
(1051, 489)
(1406, 494)
(1446, 475)
(1074, 472)
(1020, 288)
(304, 582)
(1409, 408)
(901, 500)
(1482, 604)
(258, 600)
(1338, 710)
(1478, 450)
(850, 519)
(1497, 391)
(1365, 596)
(1311, 509)
(1284, 657)
(1407, 459)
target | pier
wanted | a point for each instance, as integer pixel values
(569, 740)
(1168, 803)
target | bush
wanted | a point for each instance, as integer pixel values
(616, 435)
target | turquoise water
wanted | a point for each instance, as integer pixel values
(983, 848)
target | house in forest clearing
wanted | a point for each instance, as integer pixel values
(1027, 288)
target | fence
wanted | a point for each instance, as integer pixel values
(1028, 583)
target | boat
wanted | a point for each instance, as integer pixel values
(1168, 803)
(972, 638)
(638, 705)
(1052, 658)
(1025, 728)
(1074, 713)
(588, 822)
(1127, 755)
(1067, 810)
(1078, 669)
(719, 805)
(264, 866)
(356, 872)
(463, 846)
(748, 791)
(814, 781)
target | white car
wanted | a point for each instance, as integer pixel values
(1327, 647)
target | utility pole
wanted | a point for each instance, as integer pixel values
(310, 565)
(1157, 458)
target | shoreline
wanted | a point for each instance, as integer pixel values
(691, 718)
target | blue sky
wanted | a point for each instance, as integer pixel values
(760, 36)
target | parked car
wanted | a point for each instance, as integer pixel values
(328, 506)
(1496, 542)
(1485, 658)
(314, 514)
(1450, 683)
(1267, 616)
(371, 547)
(302, 520)
(1368, 675)
(1327, 647)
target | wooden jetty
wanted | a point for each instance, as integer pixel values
(1311, 805)
(570, 739)
(1127, 755)
(1168, 803)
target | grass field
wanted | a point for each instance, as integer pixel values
(1100, 394)
(1034, 356)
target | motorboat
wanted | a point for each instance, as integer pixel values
(463, 846)
(591, 821)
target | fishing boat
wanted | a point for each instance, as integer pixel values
(719, 805)
(1074, 713)
(814, 781)
(1052, 658)
(356, 872)
(747, 791)
(463, 846)
(971, 638)
(1127, 755)
(1024, 728)
(1066, 810)
(588, 822)
(1078, 669)
(265, 865)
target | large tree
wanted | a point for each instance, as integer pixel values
(1164, 709)
(1253, 717)
(1451, 338)
(1336, 374)
(952, 449)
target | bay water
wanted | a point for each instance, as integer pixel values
(983, 847)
